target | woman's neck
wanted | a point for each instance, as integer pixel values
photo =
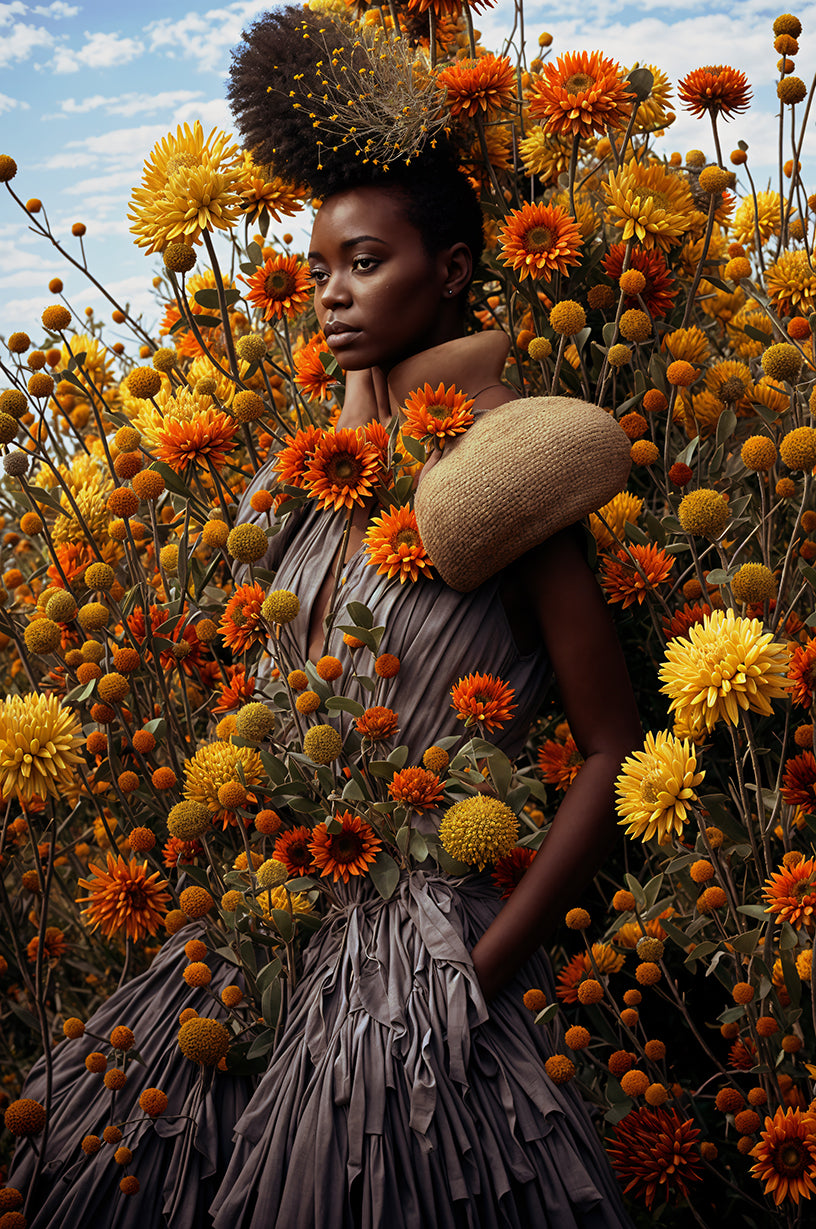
(473, 363)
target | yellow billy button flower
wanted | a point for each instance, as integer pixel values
(656, 787)
(478, 830)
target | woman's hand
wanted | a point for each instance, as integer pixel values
(366, 398)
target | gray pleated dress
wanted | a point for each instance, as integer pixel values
(397, 1098)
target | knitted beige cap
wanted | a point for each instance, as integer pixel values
(522, 472)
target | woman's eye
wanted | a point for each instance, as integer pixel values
(318, 276)
(365, 263)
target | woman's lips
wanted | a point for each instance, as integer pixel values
(339, 335)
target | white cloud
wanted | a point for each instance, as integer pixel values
(213, 114)
(204, 37)
(10, 104)
(18, 43)
(126, 104)
(100, 51)
(56, 10)
(9, 11)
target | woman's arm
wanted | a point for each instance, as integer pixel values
(600, 708)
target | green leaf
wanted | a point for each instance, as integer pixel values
(684, 457)
(43, 497)
(747, 943)
(652, 889)
(269, 973)
(283, 924)
(361, 615)
(209, 297)
(347, 706)
(384, 874)
(305, 884)
(548, 1013)
(418, 847)
(271, 1003)
(756, 911)
(450, 865)
(255, 254)
(636, 890)
(633, 533)
(352, 792)
(731, 1013)
(726, 425)
(398, 757)
(362, 633)
(702, 949)
(262, 1044)
(80, 693)
(415, 447)
(677, 935)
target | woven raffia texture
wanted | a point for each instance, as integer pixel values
(518, 475)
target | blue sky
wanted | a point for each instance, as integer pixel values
(87, 88)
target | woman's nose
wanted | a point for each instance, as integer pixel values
(335, 292)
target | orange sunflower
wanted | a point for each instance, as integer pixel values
(799, 782)
(786, 1156)
(343, 469)
(124, 897)
(437, 415)
(791, 894)
(483, 699)
(621, 581)
(478, 87)
(803, 672)
(347, 852)
(292, 848)
(378, 723)
(540, 239)
(582, 93)
(682, 620)
(280, 287)
(715, 89)
(655, 1150)
(394, 547)
(241, 624)
(560, 763)
(311, 376)
(417, 788)
(508, 871)
(206, 436)
(660, 290)
(237, 691)
(295, 456)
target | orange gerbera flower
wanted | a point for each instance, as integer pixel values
(791, 894)
(293, 850)
(311, 376)
(655, 1150)
(239, 690)
(205, 437)
(124, 897)
(716, 89)
(436, 415)
(483, 699)
(786, 1156)
(799, 782)
(295, 456)
(347, 852)
(803, 672)
(280, 287)
(509, 870)
(177, 853)
(570, 978)
(560, 763)
(417, 788)
(682, 620)
(540, 239)
(394, 547)
(241, 624)
(477, 87)
(378, 723)
(742, 1054)
(377, 435)
(582, 93)
(660, 290)
(621, 580)
(343, 469)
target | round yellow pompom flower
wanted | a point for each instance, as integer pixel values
(254, 722)
(479, 830)
(703, 513)
(203, 1041)
(322, 744)
(188, 820)
(758, 453)
(782, 362)
(247, 543)
(754, 582)
(798, 448)
(567, 317)
(280, 606)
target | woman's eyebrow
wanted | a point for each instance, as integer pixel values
(349, 243)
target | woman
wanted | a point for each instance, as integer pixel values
(408, 1086)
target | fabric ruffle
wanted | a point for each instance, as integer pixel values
(397, 1099)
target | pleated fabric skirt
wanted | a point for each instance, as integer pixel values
(396, 1099)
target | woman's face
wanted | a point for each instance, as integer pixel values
(379, 296)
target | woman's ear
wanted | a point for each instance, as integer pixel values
(459, 264)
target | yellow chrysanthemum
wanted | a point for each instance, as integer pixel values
(744, 345)
(478, 830)
(766, 217)
(278, 898)
(264, 192)
(225, 389)
(791, 284)
(189, 185)
(212, 766)
(690, 345)
(652, 205)
(545, 156)
(656, 787)
(96, 362)
(39, 741)
(620, 509)
(724, 665)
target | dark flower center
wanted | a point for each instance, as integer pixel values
(538, 239)
(345, 847)
(578, 83)
(405, 537)
(279, 285)
(789, 1158)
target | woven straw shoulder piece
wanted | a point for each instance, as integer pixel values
(522, 472)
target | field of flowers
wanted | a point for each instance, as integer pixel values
(164, 756)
